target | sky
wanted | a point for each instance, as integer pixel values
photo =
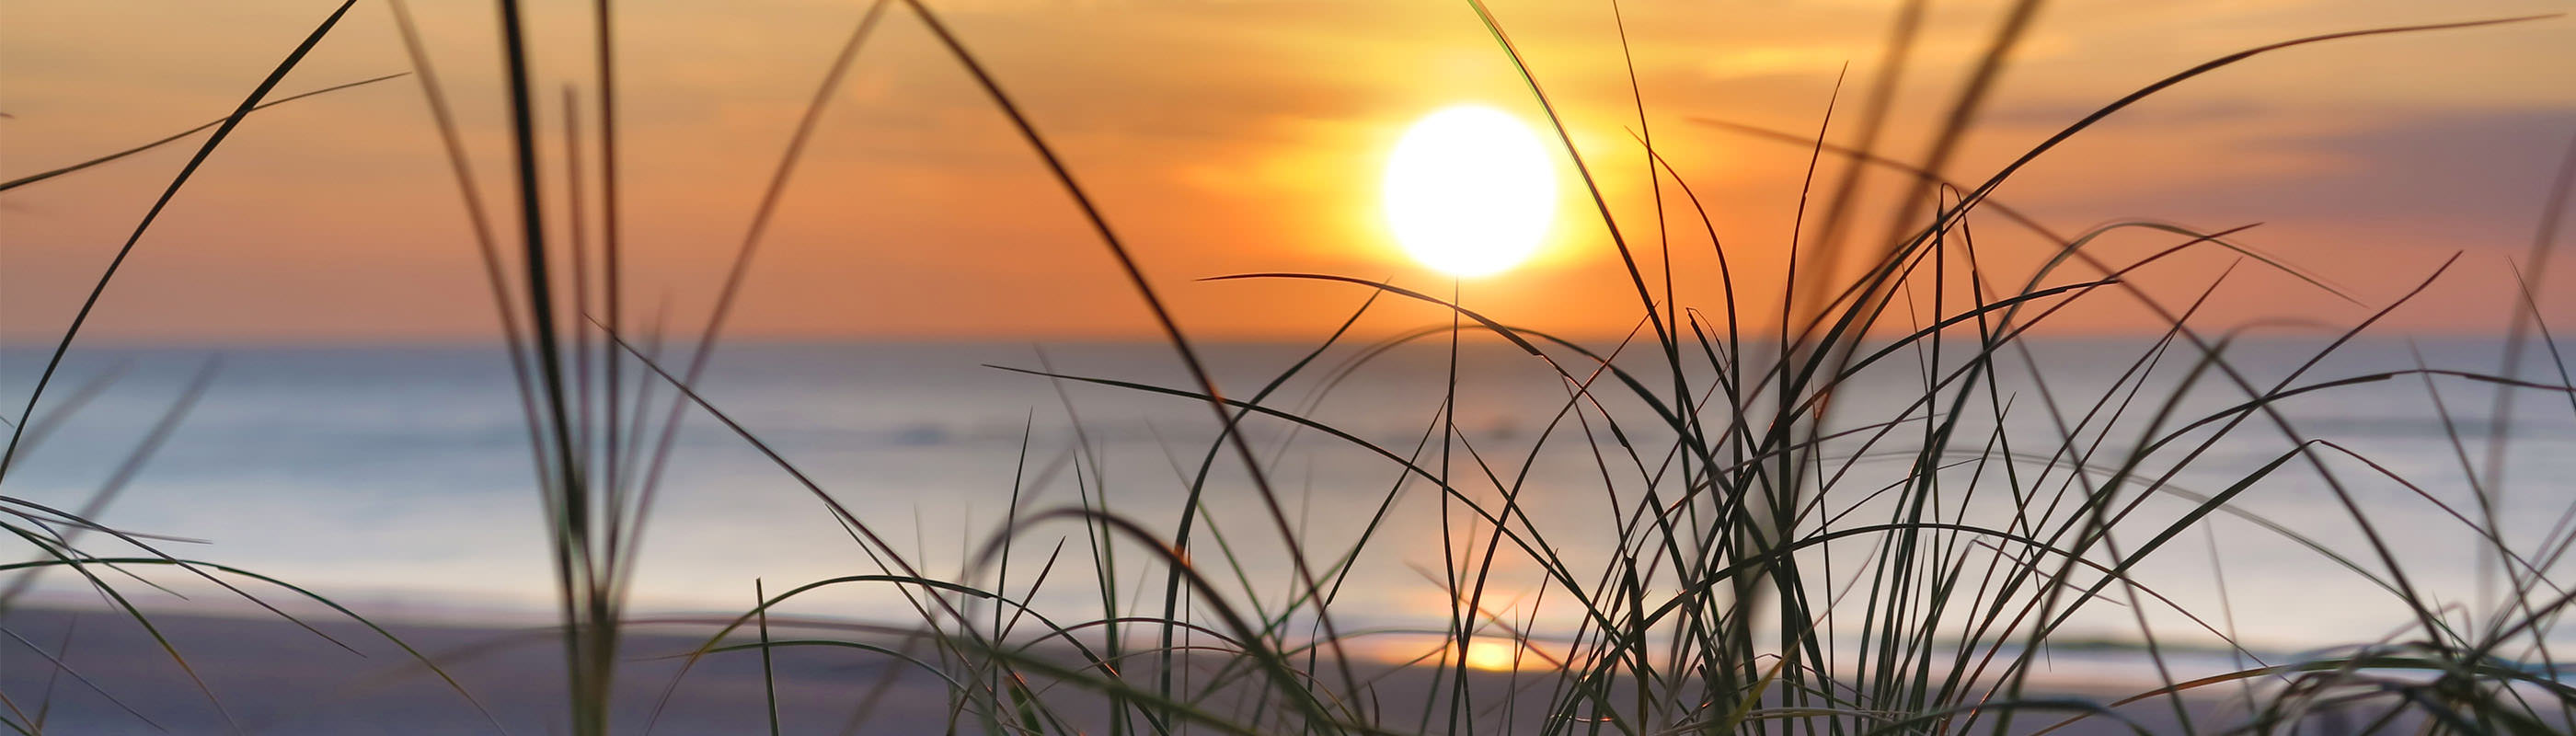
(1224, 137)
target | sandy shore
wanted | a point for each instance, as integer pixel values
(272, 677)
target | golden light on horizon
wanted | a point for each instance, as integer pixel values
(1493, 656)
(1470, 190)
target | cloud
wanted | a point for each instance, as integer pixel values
(2428, 170)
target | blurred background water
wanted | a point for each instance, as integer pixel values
(397, 480)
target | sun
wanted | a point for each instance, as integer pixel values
(1493, 656)
(1470, 190)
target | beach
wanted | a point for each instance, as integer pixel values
(404, 463)
(274, 677)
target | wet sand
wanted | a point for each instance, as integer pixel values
(272, 677)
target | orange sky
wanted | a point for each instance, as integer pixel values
(1226, 137)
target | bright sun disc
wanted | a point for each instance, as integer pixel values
(1493, 656)
(1470, 190)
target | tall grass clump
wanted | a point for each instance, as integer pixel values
(1785, 543)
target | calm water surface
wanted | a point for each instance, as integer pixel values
(398, 480)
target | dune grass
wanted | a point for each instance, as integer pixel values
(1782, 559)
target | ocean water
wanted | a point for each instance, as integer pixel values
(397, 479)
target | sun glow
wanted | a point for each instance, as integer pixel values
(1493, 656)
(1470, 190)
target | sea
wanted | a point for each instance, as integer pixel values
(397, 479)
